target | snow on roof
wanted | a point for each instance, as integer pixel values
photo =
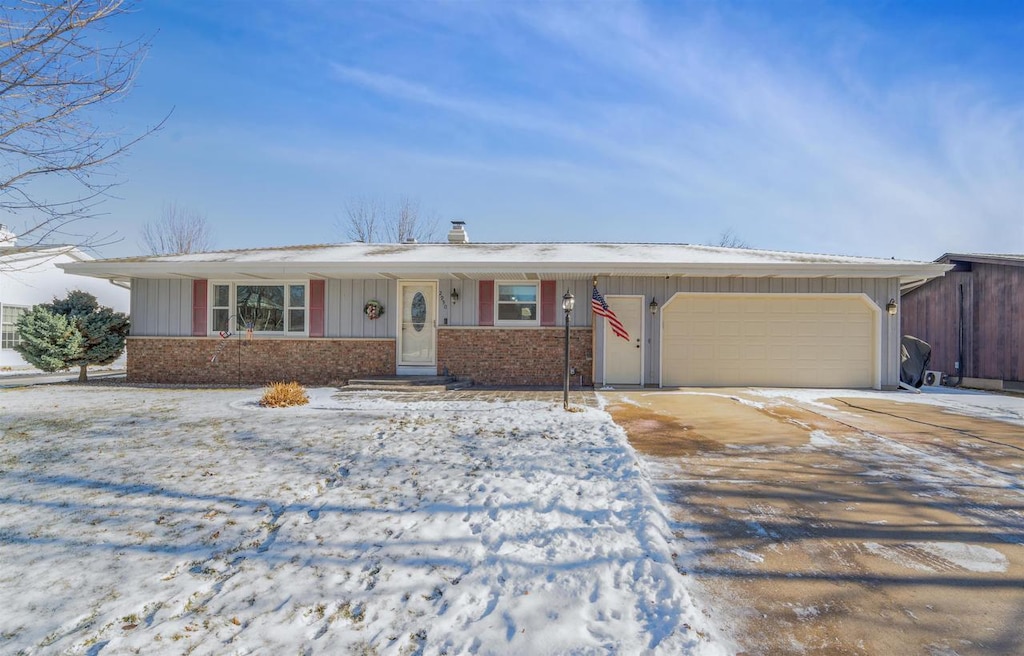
(476, 260)
(41, 252)
(997, 258)
(507, 252)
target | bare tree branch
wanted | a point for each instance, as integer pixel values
(179, 230)
(406, 223)
(365, 219)
(729, 239)
(57, 76)
(371, 220)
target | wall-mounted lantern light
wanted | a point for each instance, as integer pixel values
(890, 307)
(653, 306)
(455, 296)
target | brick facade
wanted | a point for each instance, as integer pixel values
(502, 356)
(490, 356)
(257, 362)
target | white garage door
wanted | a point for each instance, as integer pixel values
(769, 340)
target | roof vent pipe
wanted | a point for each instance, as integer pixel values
(457, 235)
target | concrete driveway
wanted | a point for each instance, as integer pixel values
(875, 524)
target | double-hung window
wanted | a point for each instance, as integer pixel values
(9, 337)
(517, 303)
(268, 308)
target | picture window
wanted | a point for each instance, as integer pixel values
(269, 309)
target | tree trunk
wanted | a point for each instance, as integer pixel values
(83, 377)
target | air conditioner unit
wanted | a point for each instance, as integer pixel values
(932, 378)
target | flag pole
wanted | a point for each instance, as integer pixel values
(593, 336)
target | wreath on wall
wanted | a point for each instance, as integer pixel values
(373, 310)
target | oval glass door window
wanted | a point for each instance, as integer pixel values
(418, 311)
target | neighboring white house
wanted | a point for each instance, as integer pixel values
(29, 275)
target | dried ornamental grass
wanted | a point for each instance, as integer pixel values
(284, 395)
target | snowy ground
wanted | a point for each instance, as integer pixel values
(972, 403)
(25, 369)
(192, 521)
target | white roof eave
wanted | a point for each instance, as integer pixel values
(302, 269)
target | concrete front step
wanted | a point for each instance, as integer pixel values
(408, 383)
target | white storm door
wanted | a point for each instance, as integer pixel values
(623, 359)
(417, 329)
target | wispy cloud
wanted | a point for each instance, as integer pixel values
(870, 128)
(601, 134)
(731, 121)
(834, 153)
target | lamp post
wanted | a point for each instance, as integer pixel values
(568, 301)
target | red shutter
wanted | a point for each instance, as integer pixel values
(486, 303)
(199, 309)
(316, 308)
(548, 293)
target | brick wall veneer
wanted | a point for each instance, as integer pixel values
(308, 361)
(529, 357)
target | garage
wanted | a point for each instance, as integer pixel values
(770, 340)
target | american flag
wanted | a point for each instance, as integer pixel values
(601, 309)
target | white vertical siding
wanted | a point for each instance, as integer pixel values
(455, 313)
(891, 336)
(343, 308)
(581, 316)
(161, 308)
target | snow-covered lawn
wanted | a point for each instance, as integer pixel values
(193, 521)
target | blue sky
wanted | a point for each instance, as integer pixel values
(863, 128)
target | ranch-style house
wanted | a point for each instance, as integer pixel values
(687, 315)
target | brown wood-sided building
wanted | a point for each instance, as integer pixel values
(973, 318)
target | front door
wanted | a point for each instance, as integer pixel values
(623, 359)
(417, 328)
